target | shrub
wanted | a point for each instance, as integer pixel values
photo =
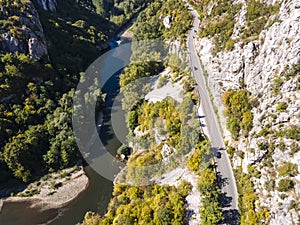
(230, 151)
(91, 218)
(277, 85)
(162, 81)
(288, 169)
(269, 185)
(285, 185)
(229, 46)
(293, 133)
(294, 148)
(281, 106)
(194, 161)
(257, 17)
(233, 125)
(238, 109)
(123, 149)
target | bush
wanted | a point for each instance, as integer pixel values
(281, 106)
(230, 151)
(91, 218)
(229, 46)
(257, 17)
(293, 133)
(293, 71)
(143, 205)
(294, 148)
(269, 185)
(123, 150)
(233, 125)
(288, 169)
(238, 110)
(162, 81)
(194, 161)
(277, 85)
(285, 185)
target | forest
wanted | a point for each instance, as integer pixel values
(36, 95)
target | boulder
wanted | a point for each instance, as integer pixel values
(167, 21)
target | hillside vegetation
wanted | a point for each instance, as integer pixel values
(37, 83)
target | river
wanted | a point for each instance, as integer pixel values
(98, 194)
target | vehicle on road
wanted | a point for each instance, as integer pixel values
(218, 155)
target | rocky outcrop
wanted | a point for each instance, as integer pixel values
(167, 21)
(36, 49)
(29, 37)
(254, 66)
(11, 43)
(48, 5)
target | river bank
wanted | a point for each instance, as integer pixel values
(53, 191)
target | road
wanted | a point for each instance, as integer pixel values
(228, 185)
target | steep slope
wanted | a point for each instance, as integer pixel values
(21, 29)
(45, 45)
(48, 5)
(253, 49)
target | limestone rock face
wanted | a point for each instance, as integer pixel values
(254, 66)
(48, 5)
(167, 21)
(36, 48)
(30, 37)
(10, 43)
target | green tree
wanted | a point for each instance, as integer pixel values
(211, 212)
(163, 216)
(23, 154)
(207, 180)
(233, 125)
(247, 121)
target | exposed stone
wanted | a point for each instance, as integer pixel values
(254, 66)
(167, 21)
(36, 49)
(167, 151)
(48, 5)
(10, 43)
(31, 39)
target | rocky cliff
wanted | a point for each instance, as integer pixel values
(265, 65)
(21, 29)
(48, 5)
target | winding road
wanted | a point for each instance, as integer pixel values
(229, 196)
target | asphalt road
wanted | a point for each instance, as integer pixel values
(228, 186)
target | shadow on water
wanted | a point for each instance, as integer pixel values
(95, 198)
(107, 133)
(18, 213)
(98, 194)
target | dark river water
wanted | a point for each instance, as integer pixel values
(98, 193)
